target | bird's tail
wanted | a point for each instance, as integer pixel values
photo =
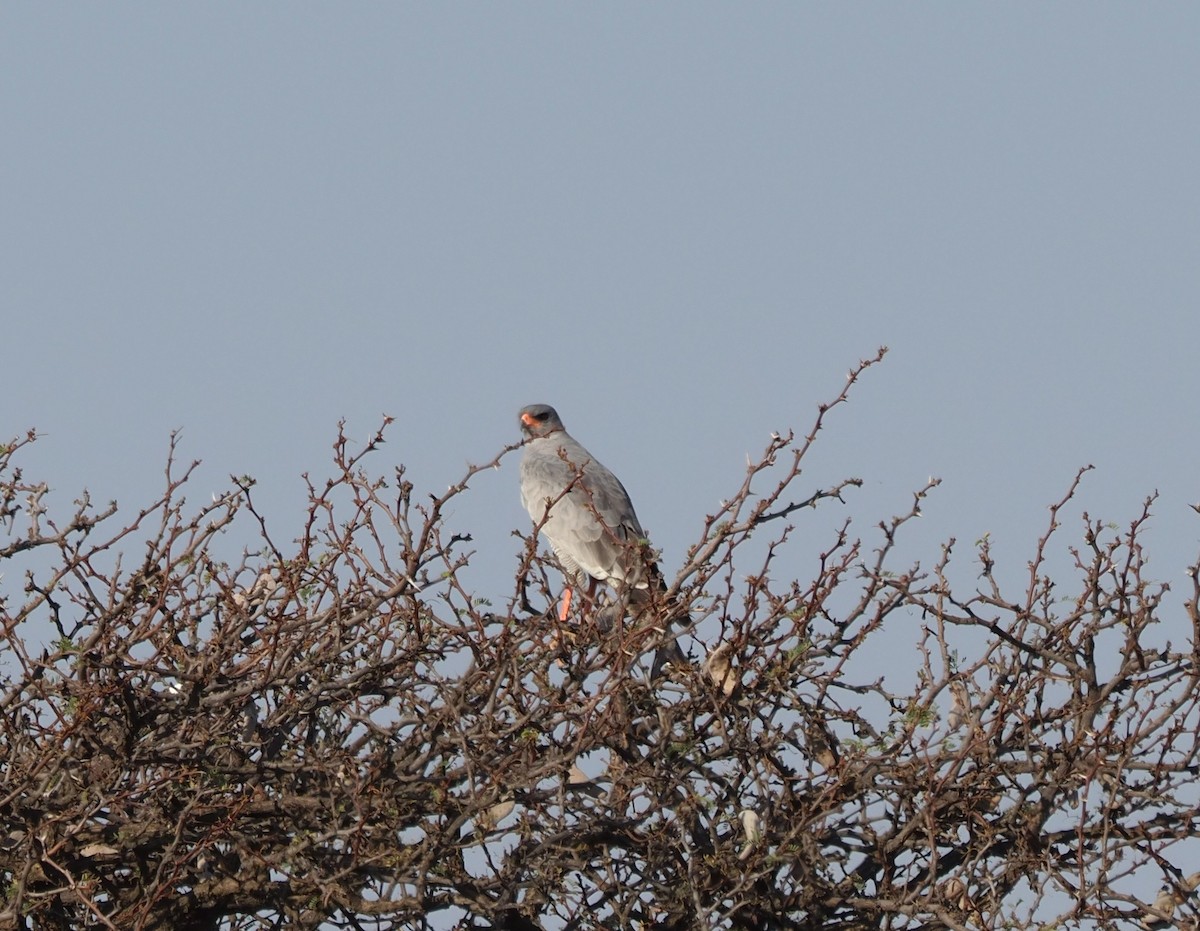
(669, 654)
(649, 630)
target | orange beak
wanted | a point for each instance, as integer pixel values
(528, 419)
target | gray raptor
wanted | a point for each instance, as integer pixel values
(585, 513)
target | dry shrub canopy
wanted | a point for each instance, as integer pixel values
(339, 732)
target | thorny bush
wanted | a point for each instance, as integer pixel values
(340, 733)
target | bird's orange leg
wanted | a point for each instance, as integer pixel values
(569, 593)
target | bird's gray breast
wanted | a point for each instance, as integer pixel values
(592, 526)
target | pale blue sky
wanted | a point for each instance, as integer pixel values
(679, 223)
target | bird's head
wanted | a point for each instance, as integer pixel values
(539, 420)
